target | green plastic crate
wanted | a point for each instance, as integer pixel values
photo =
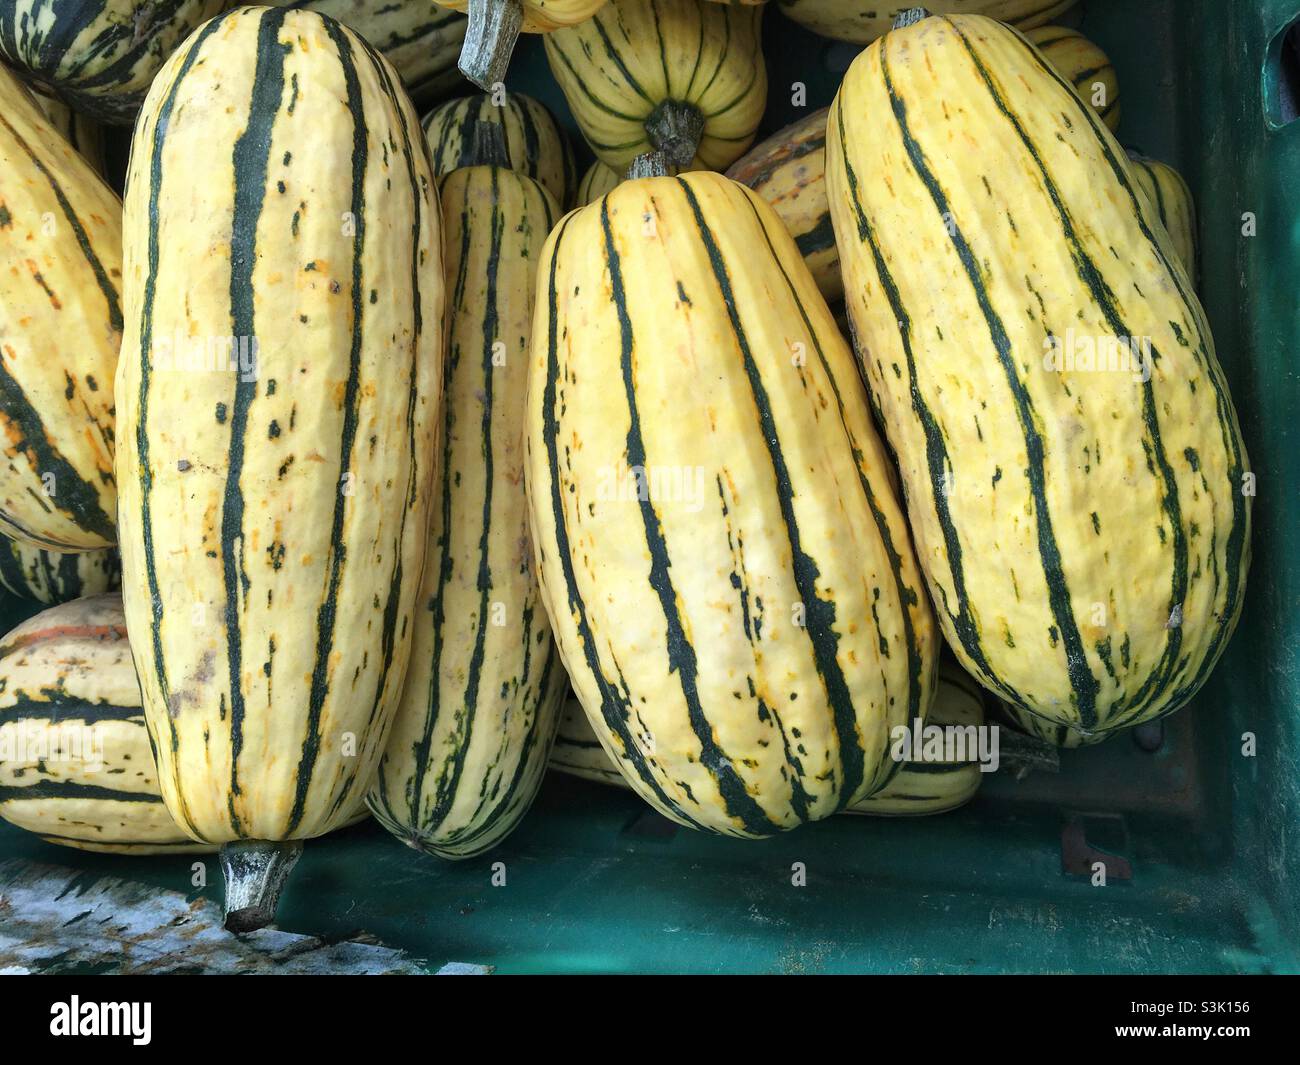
(1203, 859)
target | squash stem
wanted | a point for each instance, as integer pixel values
(649, 164)
(675, 128)
(489, 40)
(256, 871)
(909, 17)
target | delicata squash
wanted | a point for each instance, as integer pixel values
(60, 329)
(679, 76)
(1075, 475)
(863, 21)
(275, 504)
(720, 545)
(481, 702)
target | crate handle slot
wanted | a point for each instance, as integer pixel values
(1282, 76)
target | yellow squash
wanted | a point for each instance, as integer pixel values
(789, 171)
(597, 181)
(1083, 65)
(75, 764)
(84, 134)
(1075, 476)
(863, 21)
(60, 329)
(278, 399)
(722, 554)
(481, 702)
(920, 787)
(679, 76)
(533, 141)
(54, 577)
(1170, 202)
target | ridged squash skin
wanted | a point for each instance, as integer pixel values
(1084, 531)
(722, 555)
(51, 577)
(1169, 200)
(75, 764)
(274, 517)
(422, 40)
(918, 788)
(1083, 65)
(597, 181)
(481, 703)
(1049, 731)
(60, 330)
(789, 171)
(862, 22)
(97, 55)
(618, 69)
(534, 143)
(84, 134)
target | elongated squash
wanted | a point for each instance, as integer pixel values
(84, 134)
(534, 143)
(863, 21)
(1169, 200)
(722, 554)
(481, 703)
(789, 171)
(275, 505)
(97, 55)
(920, 786)
(1083, 65)
(1074, 471)
(75, 764)
(50, 577)
(679, 76)
(421, 40)
(495, 25)
(60, 329)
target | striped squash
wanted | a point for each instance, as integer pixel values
(789, 171)
(534, 143)
(1049, 731)
(75, 764)
(52, 577)
(727, 569)
(1083, 65)
(936, 783)
(679, 76)
(1170, 200)
(60, 329)
(421, 40)
(854, 20)
(918, 788)
(597, 181)
(84, 134)
(99, 56)
(478, 714)
(274, 507)
(1078, 505)
(494, 26)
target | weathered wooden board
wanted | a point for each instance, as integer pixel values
(56, 919)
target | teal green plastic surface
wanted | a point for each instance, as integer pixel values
(1205, 863)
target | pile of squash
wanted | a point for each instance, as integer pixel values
(411, 471)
